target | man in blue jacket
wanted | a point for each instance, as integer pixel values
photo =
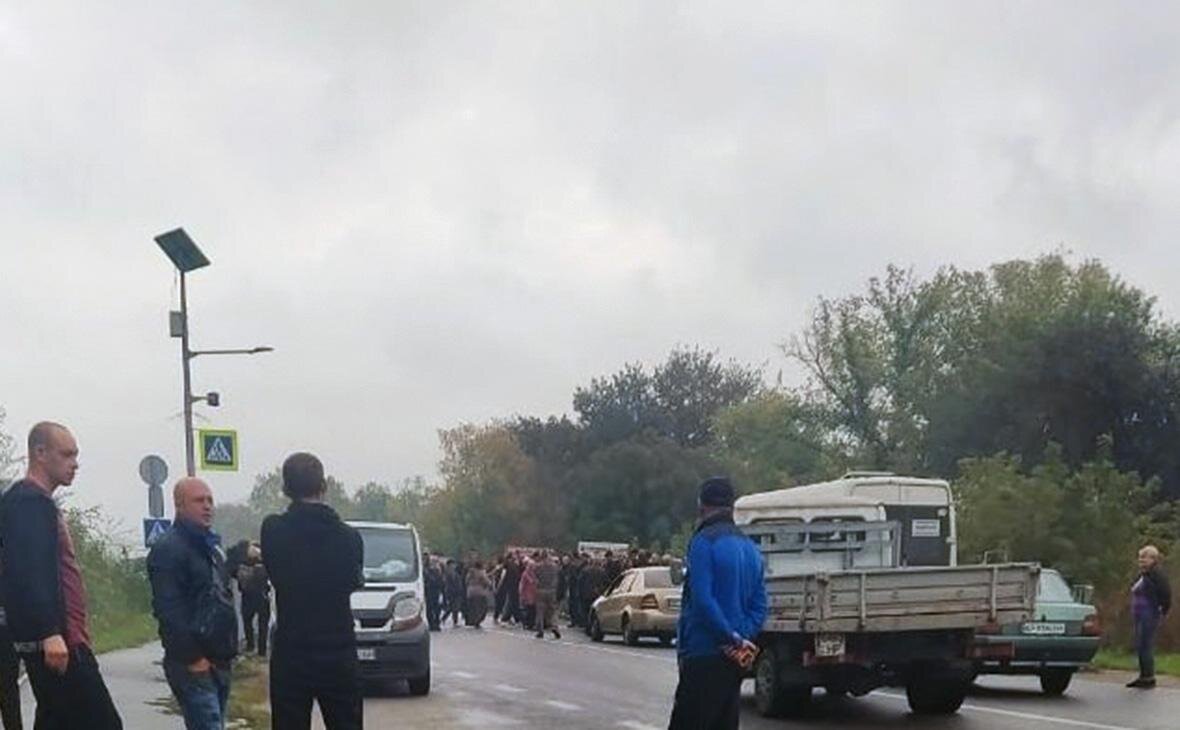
(722, 610)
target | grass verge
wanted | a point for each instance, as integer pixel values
(249, 698)
(1165, 663)
(122, 631)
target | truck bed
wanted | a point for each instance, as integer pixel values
(902, 599)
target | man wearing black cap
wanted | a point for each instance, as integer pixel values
(722, 610)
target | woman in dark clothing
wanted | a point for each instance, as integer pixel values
(1151, 598)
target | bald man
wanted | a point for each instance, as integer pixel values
(193, 605)
(45, 596)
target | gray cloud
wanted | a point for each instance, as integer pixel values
(452, 211)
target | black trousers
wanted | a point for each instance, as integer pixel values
(256, 614)
(297, 680)
(10, 714)
(76, 700)
(708, 696)
(433, 608)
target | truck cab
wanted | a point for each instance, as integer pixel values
(392, 639)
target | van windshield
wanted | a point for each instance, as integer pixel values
(390, 555)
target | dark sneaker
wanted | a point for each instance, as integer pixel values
(540, 634)
(1142, 683)
(556, 634)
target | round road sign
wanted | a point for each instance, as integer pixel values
(153, 470)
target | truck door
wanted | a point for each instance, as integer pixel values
(924, 534)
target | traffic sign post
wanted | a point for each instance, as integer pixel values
(153, 529)
(154, 470)
(219, 449)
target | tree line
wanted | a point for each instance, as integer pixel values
(1047, 389)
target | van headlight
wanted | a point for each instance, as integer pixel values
(407, 613)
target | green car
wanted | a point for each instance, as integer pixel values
(1061, 638)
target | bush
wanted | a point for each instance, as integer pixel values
(116, 584)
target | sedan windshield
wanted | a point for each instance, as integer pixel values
(390, 555)
(1054, 589)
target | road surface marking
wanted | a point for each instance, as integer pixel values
(464, 675)
(567, 706)
(636, 725)
(1025, 715)
(511, 689)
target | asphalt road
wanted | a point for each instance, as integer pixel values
(501, 678)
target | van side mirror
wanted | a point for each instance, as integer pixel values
(1083, 593)
(676, 570)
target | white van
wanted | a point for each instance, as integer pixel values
(392, 639)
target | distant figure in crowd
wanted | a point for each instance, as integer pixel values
(1151, 599)
(546, 573)
(432, 579)
(254, 587)
(510, 585)
(453, 591)
(528, 592)
(193, 604)
(722, 610)
(573, 576)
(590, 586)
(315, 562)
(10, 712)
(45, 596)
(479, 595)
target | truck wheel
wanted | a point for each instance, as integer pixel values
(420, 686)
(932, 697)
(595, 629)
(1054, 682)
(771, 697)
(630, 638)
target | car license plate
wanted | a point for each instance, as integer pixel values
(1042, 628)
(366, 655)
(829, 645)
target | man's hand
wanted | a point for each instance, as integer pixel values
(743, 653)
(57, 654)
(200, 666)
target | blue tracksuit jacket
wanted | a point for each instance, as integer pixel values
(724, 595)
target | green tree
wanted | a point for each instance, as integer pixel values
(775, 441)
(9, 461)
(679, 399)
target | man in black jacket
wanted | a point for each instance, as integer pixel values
(315, 562)
(45, 596)
(193, 605)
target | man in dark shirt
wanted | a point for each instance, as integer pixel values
(45, 597)
(192, 602)
(315, 562)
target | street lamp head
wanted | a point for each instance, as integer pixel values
(264, 348)
(182, 250)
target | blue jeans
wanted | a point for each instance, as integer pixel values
(202, 697)
(1145, 626)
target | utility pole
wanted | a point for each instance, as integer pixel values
(186, 256)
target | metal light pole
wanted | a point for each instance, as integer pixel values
(186, 256)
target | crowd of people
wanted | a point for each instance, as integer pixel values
(528, 588)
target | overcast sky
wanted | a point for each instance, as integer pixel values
(440, 212)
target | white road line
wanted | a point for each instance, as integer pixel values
(636, 725)
(510, 689)
(1024, 715)
(463, 675)
(566, 706)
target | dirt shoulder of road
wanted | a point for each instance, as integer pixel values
(1120, 676)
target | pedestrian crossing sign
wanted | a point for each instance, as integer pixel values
(153, 529)
(219, 449)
